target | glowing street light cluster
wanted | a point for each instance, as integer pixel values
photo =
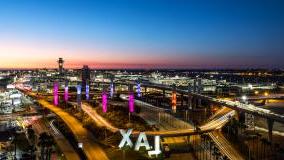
(55, 93)
(104, 102)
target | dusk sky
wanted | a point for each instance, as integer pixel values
(142, 33)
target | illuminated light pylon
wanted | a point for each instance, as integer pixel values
(111, 89)
(66, 94)
(87, 92)
(104, 102)
(131, 102)
(55, 93)
(79, 90)
(174, 101)
(138, 89)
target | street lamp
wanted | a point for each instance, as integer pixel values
(250, 86)
(244, 98)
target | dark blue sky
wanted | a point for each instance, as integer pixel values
(148, 33)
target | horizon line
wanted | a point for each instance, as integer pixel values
(154, 68)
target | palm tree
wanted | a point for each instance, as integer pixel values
(15, 139)
(211, 144)
(225, 157)
(206, 141)
(264, 143)
(42, 144)
(215, 151)
(276, 147)
(49, 145)
(202, 141)
(32, 149)
(31, 134)
(269, 144)
(45, 142)
(218, 154)
(257, 148)
(281, 152)
(243, 127)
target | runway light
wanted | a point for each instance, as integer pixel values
(256, 92)
(265, 93)
(131, 103)
(104, 102)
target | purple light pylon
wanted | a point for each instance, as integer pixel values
(111, 89)
(87, 92)
(138, 90)
(104, 102)
(66, 93)
(79, 90)
(131, 103)
(55, 93)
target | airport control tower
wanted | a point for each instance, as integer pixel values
(60, 66)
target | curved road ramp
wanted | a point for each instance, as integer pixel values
(90, 147)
